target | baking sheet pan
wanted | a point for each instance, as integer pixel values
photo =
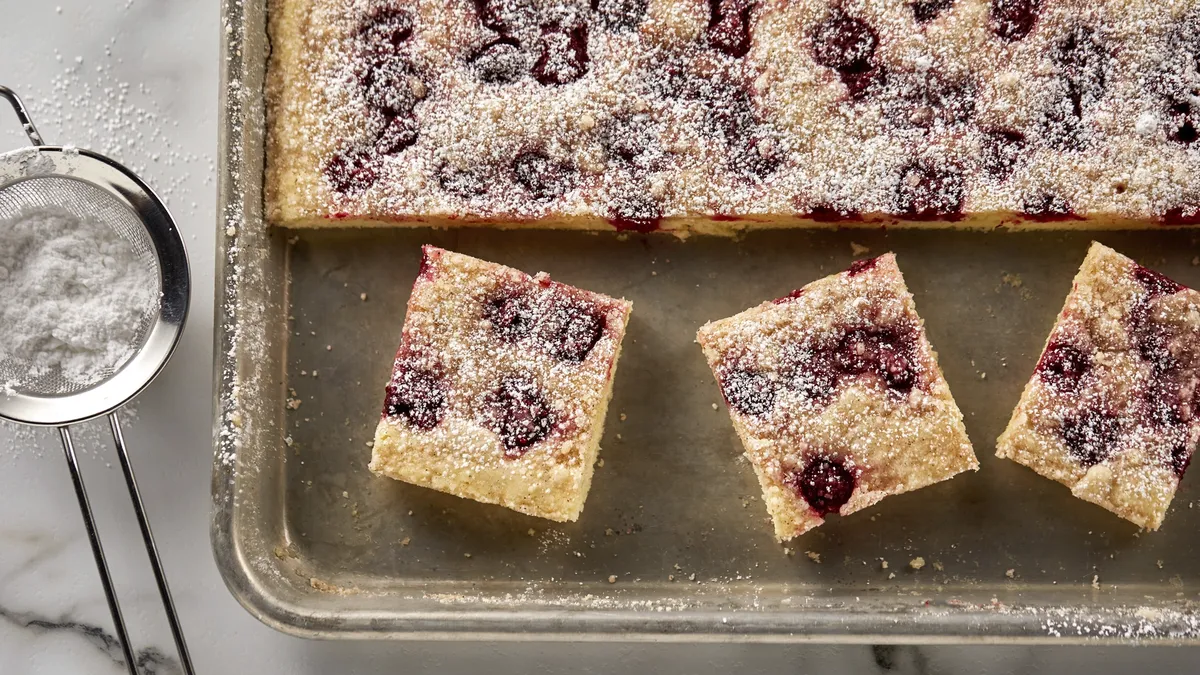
(674, 542)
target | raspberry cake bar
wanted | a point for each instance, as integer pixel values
(837, 396)
(724, 115)
(1113, 408)
(500, 386)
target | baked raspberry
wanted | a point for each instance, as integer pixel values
(519, 414)
(573, 329)
(1090, 436)
(634, 212)
(385, 30)
(1184, 132)
(564, 56)
(1181, 458)
(501, 61)
(847, 45)
(924, 192)
(825, 484)
(1012, 20)
(511, 314)
(1062, 365)
(729, 26)
(828, 213)
(747, 391)
(1156, 283)
(542, 176)
(630, 138)
(1002, 150)
(500, 15)
(351, 171)
(1110, 409)
(500, 386)
(859, 266)
(837, 396)
(418, 395)
(729, 111)
(758, 156)
(1181, 215)
(925, 11)
(810, 371)
(462, 183)
(397, 134)
(393, 87)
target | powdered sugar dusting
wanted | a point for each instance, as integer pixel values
(77, 296)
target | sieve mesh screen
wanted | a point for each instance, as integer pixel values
(95, 207)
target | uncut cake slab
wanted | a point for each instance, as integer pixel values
(729, 115)
(675, 542)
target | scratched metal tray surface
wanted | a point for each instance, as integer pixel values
(674, 542)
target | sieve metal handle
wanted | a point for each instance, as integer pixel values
(89, 523)
(151, 550)
(22, 115)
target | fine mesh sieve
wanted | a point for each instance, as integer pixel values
(99, 191)
(95, 208)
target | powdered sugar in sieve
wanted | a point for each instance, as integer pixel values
(79, 281)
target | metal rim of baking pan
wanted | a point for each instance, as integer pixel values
(833, 619)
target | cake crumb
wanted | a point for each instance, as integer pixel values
(600, 463)
(612, 578)
(891, 575)
(916, 563)
(813, 556)
(531, 532)
(1010, 573)
(692, 576)
(293, 403)
(362, 296)
(857, 249)
(670, 577)
(623, 417)
(1160, 564)
(406, 541)
(883, 565)
(608, 532)
(715, 406)
(1096, 581)
(938, 566)
(1196, 261)
(466, 555)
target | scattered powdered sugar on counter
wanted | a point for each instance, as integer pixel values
(75, 298)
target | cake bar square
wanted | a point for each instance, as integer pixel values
(500, 386)
(1112, 408)
(837, 396)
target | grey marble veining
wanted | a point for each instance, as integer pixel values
(138, 79)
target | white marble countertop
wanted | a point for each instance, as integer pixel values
(137, 79)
